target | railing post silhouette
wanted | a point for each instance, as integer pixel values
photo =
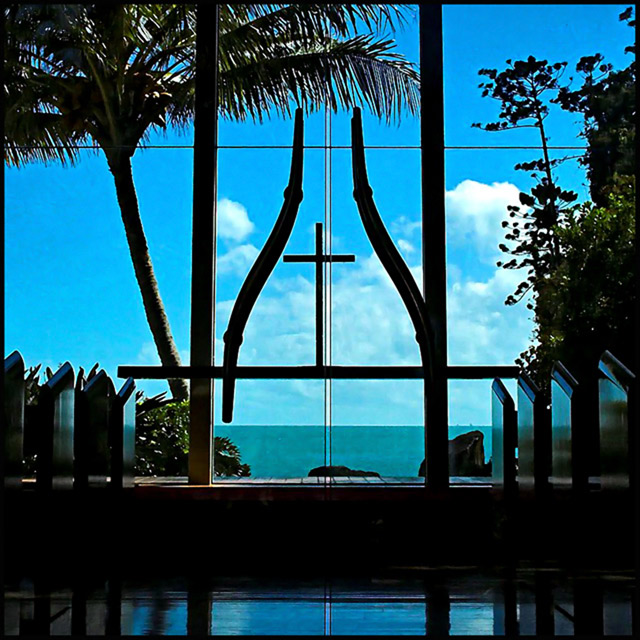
(92, 455)
(13, 427)
(203, 252)
(504, 488)
(504, 440)
(569, 442)
(617, 424)
(122, 437)
(55, 432)
(534, 439)
(544, 604)
(505, 608)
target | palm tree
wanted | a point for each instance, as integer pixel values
(111, 74)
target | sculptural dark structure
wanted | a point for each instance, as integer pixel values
(273, 249)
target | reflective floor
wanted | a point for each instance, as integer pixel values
(440, 602)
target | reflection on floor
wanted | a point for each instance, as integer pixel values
(438, 602)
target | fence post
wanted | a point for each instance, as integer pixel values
(55, 431)
(13, 420)
(123, 436)
(617, 432)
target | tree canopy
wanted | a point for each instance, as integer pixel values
(580, 259)
(114, 73)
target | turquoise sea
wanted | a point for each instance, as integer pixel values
(291, 451)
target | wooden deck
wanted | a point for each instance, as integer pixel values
(307, 489)
(145, 481)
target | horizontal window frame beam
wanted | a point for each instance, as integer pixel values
(313, 372)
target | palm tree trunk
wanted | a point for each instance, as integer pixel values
(120, 167)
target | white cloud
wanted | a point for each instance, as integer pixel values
(237, 260)
(481, 328)
(233, 220)
(406, 246)
(475, 212)
(405, 227)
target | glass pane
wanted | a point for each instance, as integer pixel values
(403, 131)
(480, 185)
(370, 324)
(66, 247)
(378, 618)
(470, 438)
(268, 617)
(378, 426)
(273, 131)
(281, 327)
(471, 619)
(485, 36)
(278, 426)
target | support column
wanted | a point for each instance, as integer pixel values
(205, 150)
(433, 240)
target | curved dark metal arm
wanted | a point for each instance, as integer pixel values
(386, 251)
(261, 270)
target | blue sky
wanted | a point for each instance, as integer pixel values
(70, 292)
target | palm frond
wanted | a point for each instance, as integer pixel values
(360, 70)
(314, 19)
(113, 73)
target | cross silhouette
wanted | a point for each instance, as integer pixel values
(319, 258)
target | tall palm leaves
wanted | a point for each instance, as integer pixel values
(109, 74)
(270, 54)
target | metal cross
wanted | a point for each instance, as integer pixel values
(319, 258)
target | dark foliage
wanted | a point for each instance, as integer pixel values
(162, 443)
(522, 90)
(607, 103)
(587, 303)
(580, 260)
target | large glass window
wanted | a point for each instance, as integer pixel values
(72, 292)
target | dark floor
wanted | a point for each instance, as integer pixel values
(282, 558)
(462, 601)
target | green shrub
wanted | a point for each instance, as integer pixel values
(162, 444)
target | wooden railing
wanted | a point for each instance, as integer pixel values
(557, 450)
(83, 432)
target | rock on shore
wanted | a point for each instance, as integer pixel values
(340, 471)
(466, 456)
